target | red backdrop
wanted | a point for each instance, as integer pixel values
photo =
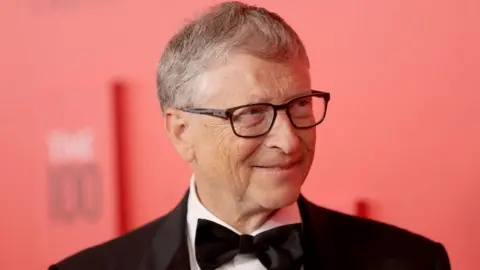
(402, 133)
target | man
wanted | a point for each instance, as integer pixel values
(235, 90)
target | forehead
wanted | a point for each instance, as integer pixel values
(246, 79)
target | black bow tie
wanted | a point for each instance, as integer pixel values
(277, 249)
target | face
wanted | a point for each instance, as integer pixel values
(265, 172)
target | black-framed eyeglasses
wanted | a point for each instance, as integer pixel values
(257, 119)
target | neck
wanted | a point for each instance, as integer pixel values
(236, 212)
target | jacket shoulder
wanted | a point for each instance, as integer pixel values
(376, 231)
(125, 251)
(378, 243)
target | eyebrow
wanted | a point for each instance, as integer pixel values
(263, 99)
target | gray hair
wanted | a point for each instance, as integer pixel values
(225, 28)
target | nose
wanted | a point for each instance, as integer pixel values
(283, 135)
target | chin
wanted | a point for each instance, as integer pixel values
(279, 197)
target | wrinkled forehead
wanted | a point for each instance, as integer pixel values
(246, 79)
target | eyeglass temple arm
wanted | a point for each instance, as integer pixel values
(212, 112)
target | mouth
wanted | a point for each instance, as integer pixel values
(279, 167)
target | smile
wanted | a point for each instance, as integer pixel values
(279, 167)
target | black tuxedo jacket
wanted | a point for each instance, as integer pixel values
(331, 240)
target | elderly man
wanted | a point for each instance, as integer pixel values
(235, 90)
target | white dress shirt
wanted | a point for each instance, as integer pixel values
(196, 210)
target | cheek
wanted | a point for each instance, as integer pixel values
(222, 140)
(245, 150)
(210, 138)
(225, 148)
(235, 152)
(309, 138)
(220, 150)
(242, 156)
(238, 151)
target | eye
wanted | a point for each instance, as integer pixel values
(303, 102)
(251, 115)
(254, 111)
(301, 107)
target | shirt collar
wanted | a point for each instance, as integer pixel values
(196, 210)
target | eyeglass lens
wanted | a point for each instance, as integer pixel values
(256, 120)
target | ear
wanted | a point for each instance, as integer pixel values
(179, 131)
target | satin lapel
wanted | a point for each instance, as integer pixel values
(320, 249)
(168, 248)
